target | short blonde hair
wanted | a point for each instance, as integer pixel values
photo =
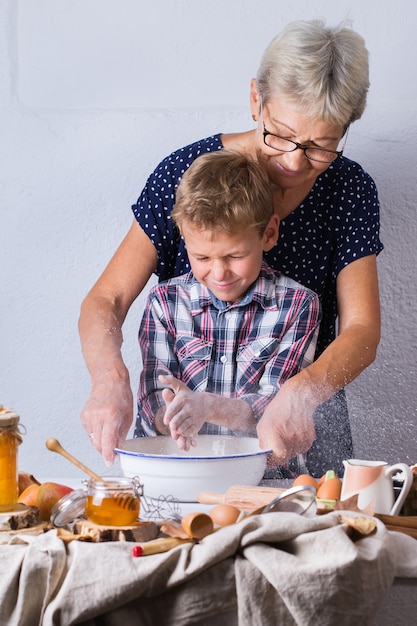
(224, 191)
(322, 71)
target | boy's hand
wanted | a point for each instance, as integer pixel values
(184, 413)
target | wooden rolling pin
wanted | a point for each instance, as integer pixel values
(159, 545)
(242, 496)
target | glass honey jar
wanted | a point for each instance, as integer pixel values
(113, 501)
(10, 439)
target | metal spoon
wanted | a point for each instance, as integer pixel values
(300, 499)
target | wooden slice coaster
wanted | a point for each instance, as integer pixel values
(141, 531)
(22, 517)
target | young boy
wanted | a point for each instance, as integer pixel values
(217, 343)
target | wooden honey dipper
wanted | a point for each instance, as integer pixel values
(125, 501)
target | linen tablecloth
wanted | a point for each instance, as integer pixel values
(278, 568)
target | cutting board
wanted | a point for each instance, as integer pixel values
(406, 524)
(242, 496)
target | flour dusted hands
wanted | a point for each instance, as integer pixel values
(287, 425)
(108, 415)
(186, 412)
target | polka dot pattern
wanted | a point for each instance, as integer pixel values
(336, 224)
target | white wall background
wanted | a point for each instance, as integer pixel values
(93, 94)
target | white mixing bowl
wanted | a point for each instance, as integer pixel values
(215, 464)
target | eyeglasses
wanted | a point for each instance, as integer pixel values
(312, 153)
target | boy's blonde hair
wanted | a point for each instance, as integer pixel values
(224, 191)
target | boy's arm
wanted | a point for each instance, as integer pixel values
(157, 346)
(189, 410)
(157, 405)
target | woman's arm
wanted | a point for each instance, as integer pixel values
(287, 424)
(108, 412)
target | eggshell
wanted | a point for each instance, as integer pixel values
(305, 479)
(224, 514)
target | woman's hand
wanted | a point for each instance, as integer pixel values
(108, 415)
(287, 425)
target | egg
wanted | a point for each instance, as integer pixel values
(305, 479)
(330, 489)
(224, 514)
(321, 480)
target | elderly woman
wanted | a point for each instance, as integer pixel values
(311, 85)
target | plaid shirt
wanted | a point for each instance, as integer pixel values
(243, 350)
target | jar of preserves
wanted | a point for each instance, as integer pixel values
(113, 501)
(10, 439)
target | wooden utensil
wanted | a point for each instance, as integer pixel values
(242, 496)
(159, 545)
(54, 445)
(122, 500)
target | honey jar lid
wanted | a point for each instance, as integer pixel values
(8, 417)
(69, 508)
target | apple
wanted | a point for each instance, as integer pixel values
(25, 480)
(43, 496)
(48, 495)
(29, 495)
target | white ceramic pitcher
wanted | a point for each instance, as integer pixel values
(373, 481)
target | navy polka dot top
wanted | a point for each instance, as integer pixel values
(337, 223)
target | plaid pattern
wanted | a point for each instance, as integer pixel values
(336, 224)
(242, 350)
